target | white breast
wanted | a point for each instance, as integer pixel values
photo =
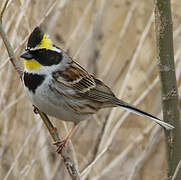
(53, 104)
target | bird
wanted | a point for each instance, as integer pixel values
(60, 87)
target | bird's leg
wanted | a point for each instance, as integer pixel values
(35, 110)
(61, 144)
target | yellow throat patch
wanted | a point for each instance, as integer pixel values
(32, 64)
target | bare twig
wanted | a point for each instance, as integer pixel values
(123, 156)
(3, 9)
(10, 51)
(135, 55)
(52, 130)
(96, 35)
(86, 170)
(54, 19)
(145, 32)
(152, 144)
(32, 131)
(77, 28)
(121, 35)
(177, 171)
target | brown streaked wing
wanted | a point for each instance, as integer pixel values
(101, 93)
(76, 78)
(86, 85)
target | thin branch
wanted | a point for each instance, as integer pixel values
(56, 16)
(177, 171)
(86, 170)
(152, 144)
(96, 35)
(123, 86)
(135, 55)
(73, 172)
(123, 156)
(10, 51)
(121, 35)
(3, 9)
(78, 26)
(27, 139)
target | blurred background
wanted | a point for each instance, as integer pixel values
(114, 40)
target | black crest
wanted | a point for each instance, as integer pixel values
(35, 38)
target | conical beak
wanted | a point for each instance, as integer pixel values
(26, 55)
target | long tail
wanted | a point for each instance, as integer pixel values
(135, 110)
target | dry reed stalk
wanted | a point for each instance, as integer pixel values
(52, 130)
(109, 121)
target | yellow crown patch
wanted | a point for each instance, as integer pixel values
(32, 64)
(46, 42)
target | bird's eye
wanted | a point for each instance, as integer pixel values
(47, 57)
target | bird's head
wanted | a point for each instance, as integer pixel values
(40, 52)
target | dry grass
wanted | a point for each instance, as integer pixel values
(113, 39)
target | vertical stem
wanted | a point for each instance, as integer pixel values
(73, 172)
(170, 103)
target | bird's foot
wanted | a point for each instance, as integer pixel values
(35, 110)
(60, 145)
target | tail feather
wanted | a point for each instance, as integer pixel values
(135, 110)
